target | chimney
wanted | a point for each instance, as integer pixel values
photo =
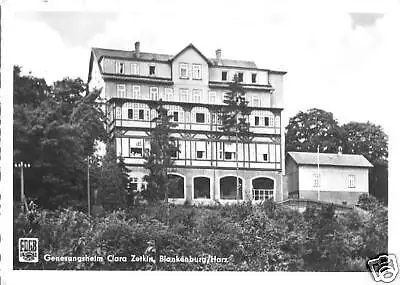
(218, 53)
(340, 150)
(137, 49)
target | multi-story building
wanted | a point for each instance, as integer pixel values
(192, 87)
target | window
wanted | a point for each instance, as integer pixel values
(199, 154)
(196, 96)
(196, 71)
(229, 155)
(130, 113)
(265, 156)
(134, 69)
(152, 69)
(256, 101)
(176, 116)
(316, 180)
(224, 75)
(184, 95)
(240, 76)
(183, 70)
(141, 114)
(136, 147)
(169, 94)
(120, 67)
(352, 181)
(268, 121)
(136, 151)
(121, 91)
(200, 118)
(256, 120)
(200, 149)
(136, 92)
(154, 93)
(212, 95)
(253, 77)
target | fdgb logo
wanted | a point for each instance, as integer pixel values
(28, 249)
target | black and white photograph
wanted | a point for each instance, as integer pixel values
(251, 137)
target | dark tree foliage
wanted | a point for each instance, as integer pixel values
(159, 161)
(234, 115)
(114, 181)
(55, 136)
(307, 130)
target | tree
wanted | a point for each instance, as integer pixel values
(55, 136)
(159, 160)
(371, 141)
(114, 181)
(307, 130)
(234, 119)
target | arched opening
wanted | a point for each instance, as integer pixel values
(201, 187)
(227, 186)
(263, 188)
(176, 186)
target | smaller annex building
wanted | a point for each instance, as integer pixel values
(329, 177)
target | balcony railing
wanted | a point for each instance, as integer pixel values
(262, 194)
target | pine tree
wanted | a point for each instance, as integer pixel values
(234, 120)
(159, 160)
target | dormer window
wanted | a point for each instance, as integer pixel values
(224, 75)
(120, 67)
(152, 70)
(183, 70)
(254, 78)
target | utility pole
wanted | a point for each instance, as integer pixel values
(22, 165)
(88, 185)
(318, 175)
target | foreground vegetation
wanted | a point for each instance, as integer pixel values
(265, 237)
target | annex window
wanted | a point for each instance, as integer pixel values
(121, 91)
(183, 70)
(152, 70)
(120, 67)
(134, 69)
(196, 72)
(256, 120)
(230, 151)
(169, 94)
(240, 76)
(229, 155)
(212, 95)
(351, 181)
(200, 117)
(224, 75)
(253, 77)
(197, 96)
(183, 95)
(265, 156)
(154, 93)
(130, 113)
(136, 92)
(316, 180)
(141, 114)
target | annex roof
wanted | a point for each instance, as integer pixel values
(331, 159)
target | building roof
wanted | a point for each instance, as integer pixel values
(124, 54)
(331, 159)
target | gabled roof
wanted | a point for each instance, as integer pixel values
(331, 159)
(126, 54)
(193, 47)
(129, 55)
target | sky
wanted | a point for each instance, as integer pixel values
(340, 56)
